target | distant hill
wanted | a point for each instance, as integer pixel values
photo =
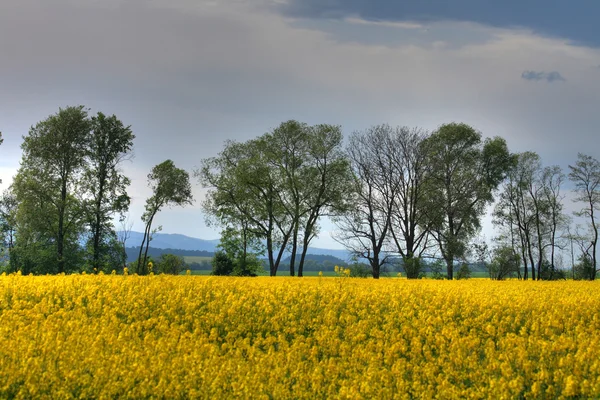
(173, 241)
(183, 242)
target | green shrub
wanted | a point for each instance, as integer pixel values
(170, 264)
(464, 272)
(360, 270)
(436, 270)
(222, 264)
(413, 267)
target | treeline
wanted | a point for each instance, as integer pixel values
(57, 216)
(401, 193)
(153, 252)
(397, 195)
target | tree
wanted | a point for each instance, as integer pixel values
(516, 211)
(364, 229)
(170, 264)
(111, 143)
(124, 233)
(236, 248)
(465, 173)
(276, 187)
(222, 264)
(8, 223)
(409, 222)
(585, 174)
(48, 183)
(285, 152)
(504, 263)
(245, 193)
(314, 177)
(170, 187)
(328, 177)
(388, 211)
(552, 180)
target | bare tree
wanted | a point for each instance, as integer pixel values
(409, 220)
(124, 233)
(364, 229)
(585, 174)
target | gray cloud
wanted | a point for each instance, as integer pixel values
(188, 74)
(575, 20)
(545, 76)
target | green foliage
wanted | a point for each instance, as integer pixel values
(8, 223)
(585, 174)
(110, 144)
(436, 270)
(276, 187)
(241, 248)
(170, 264)
(505, 263)
(584, 269)
(549, 273)
(464, 272)
(360, 270)
(170, 187)
(48, 187)
(465, 171)
(413, 267)
(222, 264)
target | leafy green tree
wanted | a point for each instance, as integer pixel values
(243, 251)
(505, 262)
(328, 179)
(464, 272)
(110, 144)
(276, 187)
(516, 210)
(48, 186)
(465, 172)
(170, 264)
(585, 174)
(584, 268)
(244, 195)
(8, 224)
(286, 148)
(222, 264)
(170, 187)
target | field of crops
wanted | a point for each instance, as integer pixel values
(209, 337)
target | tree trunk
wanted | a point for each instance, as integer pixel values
(450, 268)
(376, 270)
(294, 248)
(305, 241)
(594, 243)
(60, 240)
(145, 264)
(272, 265)
(146, 240)
(97, 227)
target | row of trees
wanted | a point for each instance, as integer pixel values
(58, 214)
(399, 195)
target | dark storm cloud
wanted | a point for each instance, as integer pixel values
(543, 76)
(576, 20)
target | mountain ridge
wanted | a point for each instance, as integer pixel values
(183, 242)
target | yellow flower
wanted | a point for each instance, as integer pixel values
(99, 337)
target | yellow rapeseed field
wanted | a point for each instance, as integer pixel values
(170, 337)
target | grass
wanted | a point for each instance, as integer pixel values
(198, 259)
(478, 274)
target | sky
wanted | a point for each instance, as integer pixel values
(189, 74)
